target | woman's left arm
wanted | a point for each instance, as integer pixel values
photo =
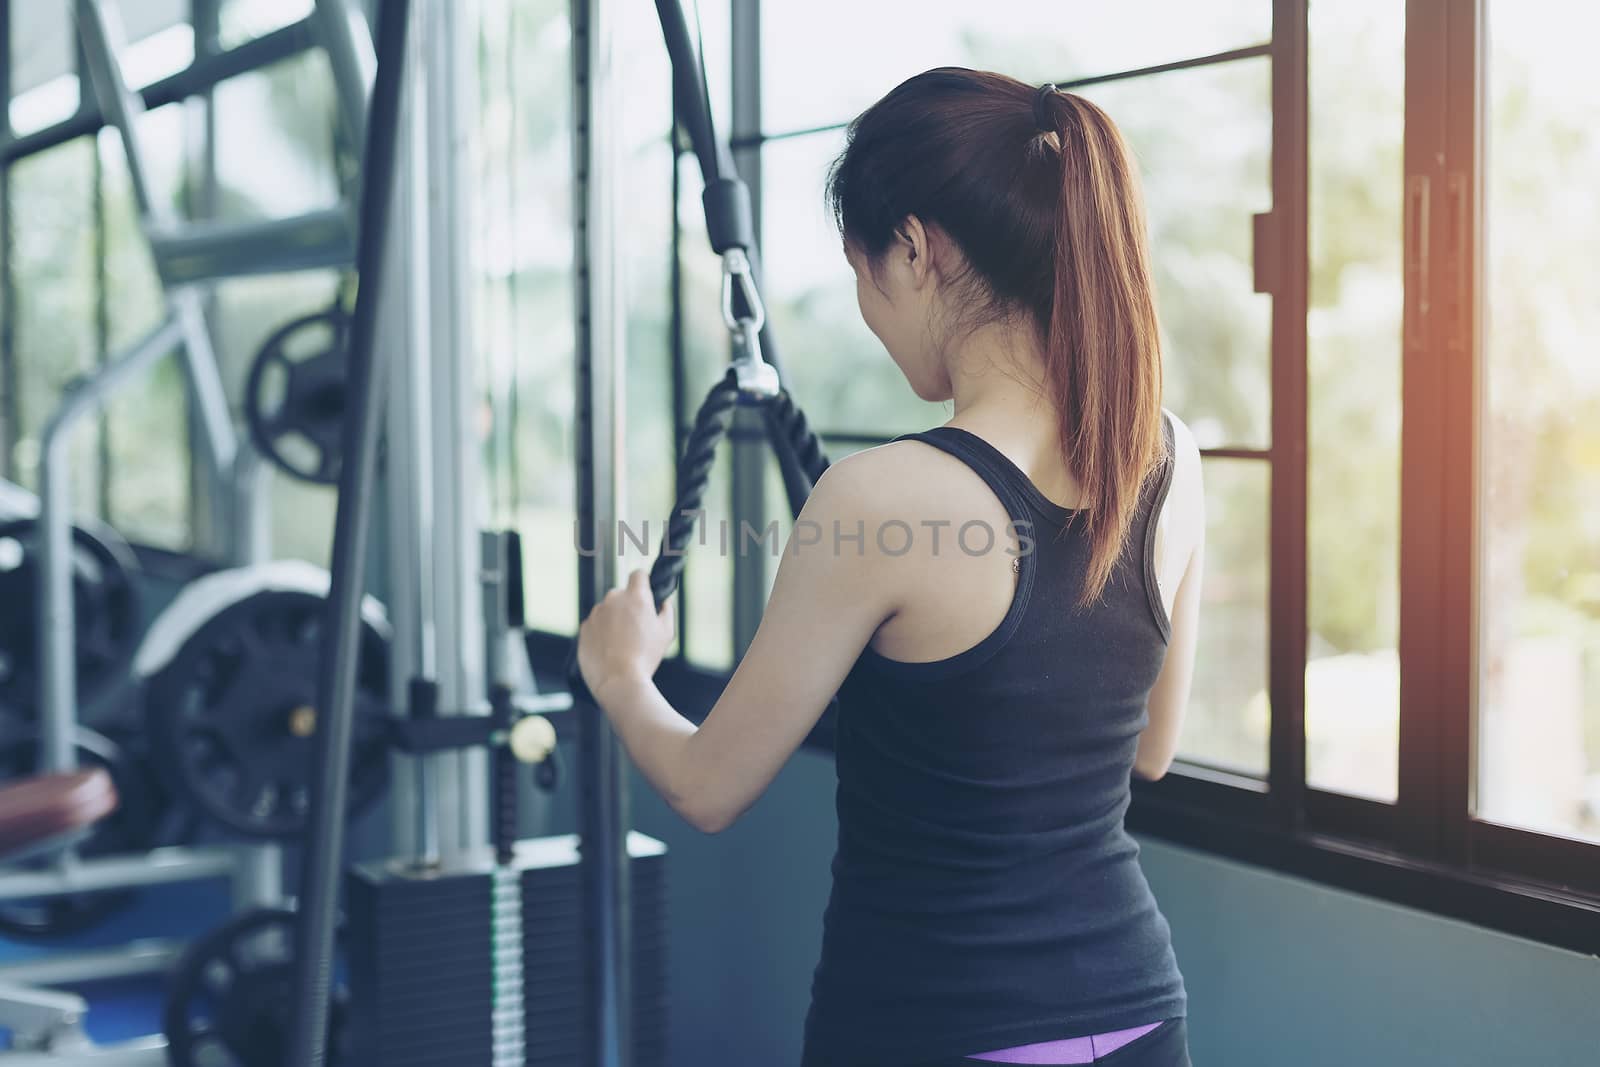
(830, 596)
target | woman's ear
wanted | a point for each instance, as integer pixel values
(913, 249)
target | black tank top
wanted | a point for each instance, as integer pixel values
(985, 891)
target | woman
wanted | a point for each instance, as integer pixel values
(1006, 605)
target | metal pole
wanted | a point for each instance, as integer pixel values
(408, 483)
(342, 30)
(602, 775)
(460, 779)
(747, 490)
(58, 673)
(336, 676)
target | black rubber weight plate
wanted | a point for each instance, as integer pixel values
(231, 998)
(232, 722)
(105, 605)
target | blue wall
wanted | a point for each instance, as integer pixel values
(1280, 971)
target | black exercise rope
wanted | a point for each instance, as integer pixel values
(711, 425)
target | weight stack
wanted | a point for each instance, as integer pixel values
(422, 979)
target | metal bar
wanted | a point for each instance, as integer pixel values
(336, 674)
(201, 75)
(100, 35)
(211, 496)
(344, 34)
(747, 488)
(205, 380)
(162, 866)
(692, 101)
(204, 14)
(1286, 666)
(1423, 516)
(10, 404)
(10, 378)
(257, 877)
(141, 1052)
(1230, 56)
(1459, 297)
(102, 331)
(409, 494)
(198, 252)
(442, 179)
(680, 369)
(132, 960)
(600, 335)
(1264, 454)
(37, 1015)
(55, 610)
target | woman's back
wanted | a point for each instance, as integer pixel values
(985, 892)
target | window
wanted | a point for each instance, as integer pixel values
(53, 269)
(1352, 676)
(872, 47)
(838, 369)
(44, 83)
(1538, 493)
(239, 21)
(523, 305)
(284, 113)
(149, 500)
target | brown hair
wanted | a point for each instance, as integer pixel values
(1047, 213)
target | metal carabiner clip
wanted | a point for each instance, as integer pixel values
(756, 377)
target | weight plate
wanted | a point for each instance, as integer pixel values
(231, 998)
(295, 396)
(135, 826)
(232, 718)
(105, 605)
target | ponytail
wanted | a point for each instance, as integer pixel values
(1102, 341)
(1040, 193)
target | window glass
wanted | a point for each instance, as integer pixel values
(53, 267)
(1353, 337)
(1203, 139)
(522, 249)
(44, 80)
(239, 21)
(841, 374)
(825, 62)
(1229, 717)
(278, 140)
(162, 54)
(147, 483)
(708, 573)
(1538, 729)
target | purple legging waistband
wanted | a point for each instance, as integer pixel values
(1072, 1050)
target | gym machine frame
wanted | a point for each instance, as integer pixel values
(188, 258)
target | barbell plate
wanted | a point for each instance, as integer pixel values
(207, 597)
(228, 716)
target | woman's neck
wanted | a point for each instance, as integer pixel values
(1001, 393)
(997, 376)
